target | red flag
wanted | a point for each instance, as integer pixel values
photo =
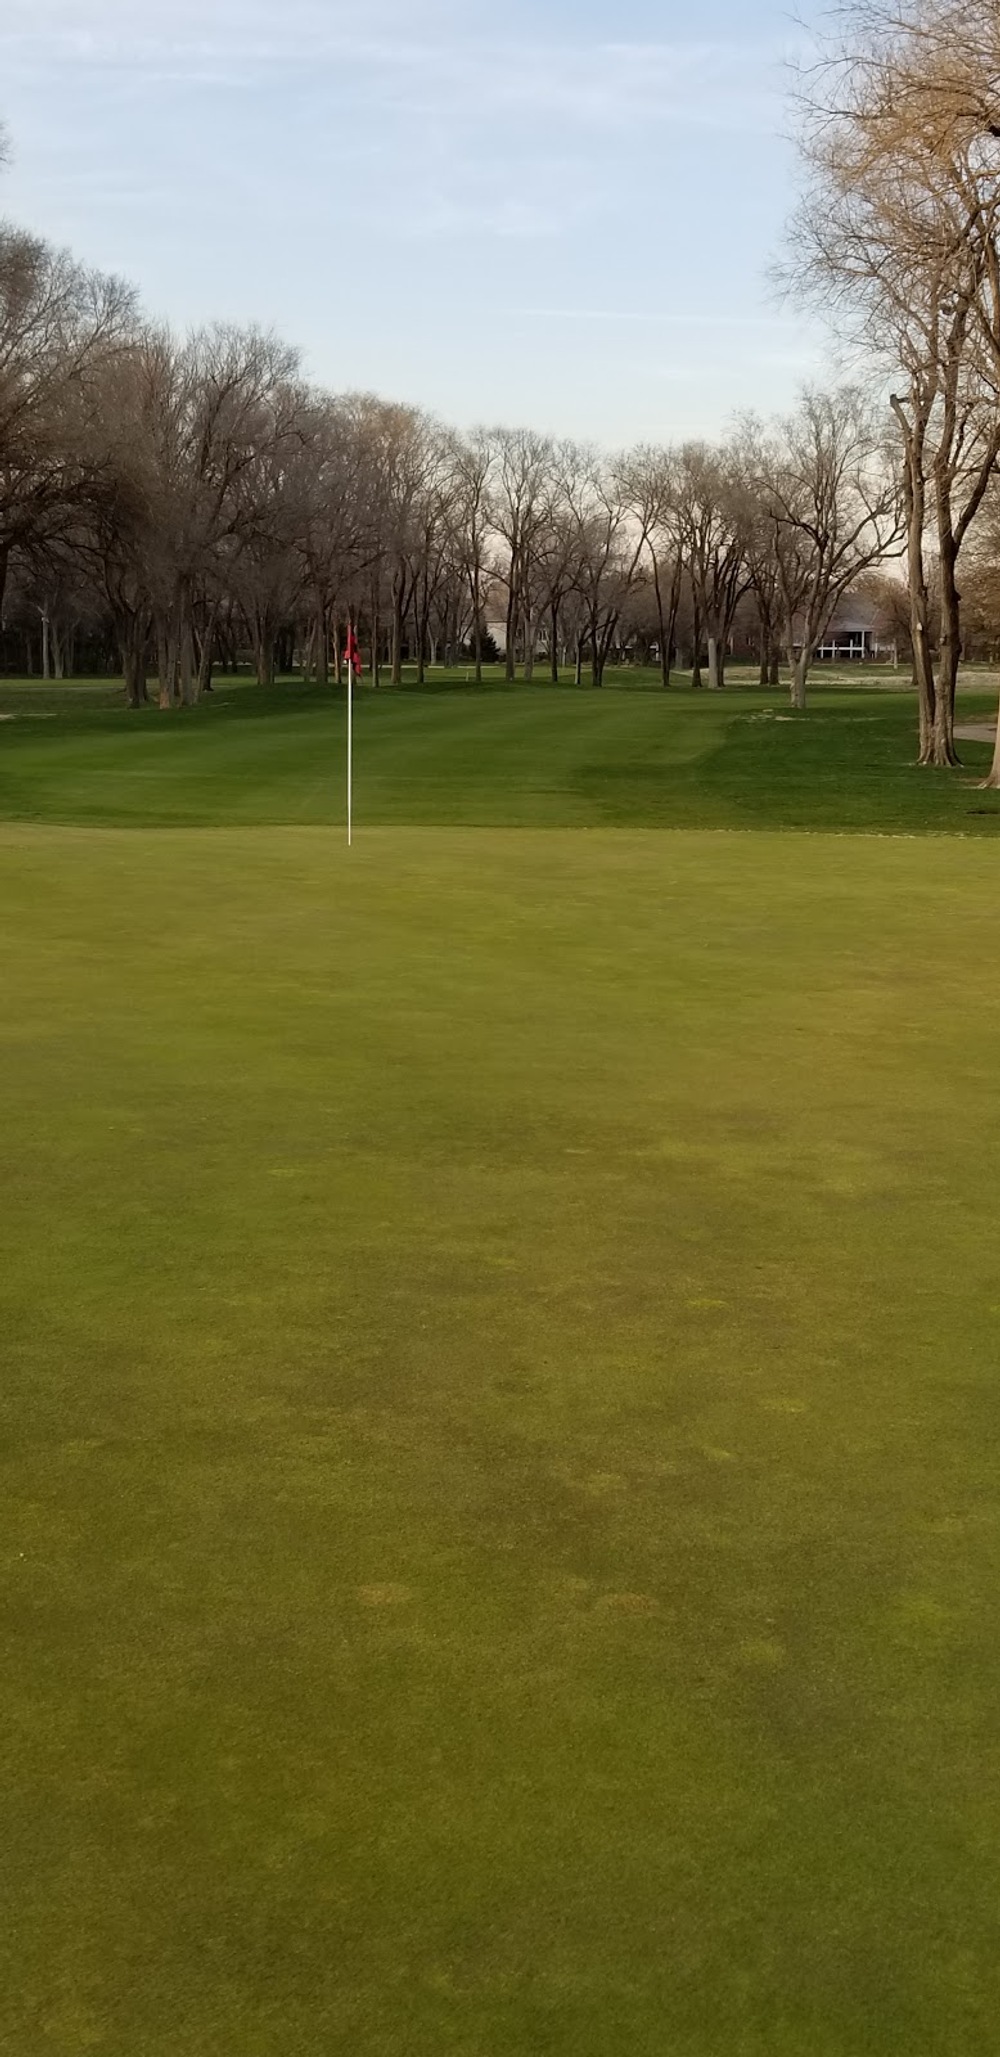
(352, 654)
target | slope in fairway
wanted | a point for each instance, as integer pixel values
(527, 757)
(502, 1527)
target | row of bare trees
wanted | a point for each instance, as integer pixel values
(198, 498)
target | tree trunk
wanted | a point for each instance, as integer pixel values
(510, 654)
(376, 635)
(186, 670)
(714, 669)
(264, 649)
(915, 505)
(396, 656)
(595, 655)
(420, 626)
(667, 661)
(205, 651)
(166, 662)
(943, 751)
(660, 622)
(132, 639)
(696, 680)
(800, 673)
(528, 642)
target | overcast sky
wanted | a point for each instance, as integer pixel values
(551, 211)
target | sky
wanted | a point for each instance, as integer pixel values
(551, 212)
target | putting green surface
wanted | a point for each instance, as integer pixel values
(501, 1507)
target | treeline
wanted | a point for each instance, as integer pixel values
(171, 504)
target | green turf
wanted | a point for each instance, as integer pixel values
(528, 757)
(501, 1513)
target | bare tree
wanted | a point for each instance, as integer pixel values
(648, 483)
(898, 231)
(832, 500)
(712, 512)
(472, 460)
(520, 505)
(59, 326)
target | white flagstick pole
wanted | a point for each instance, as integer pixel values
(350, 736)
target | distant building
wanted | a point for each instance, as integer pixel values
(858, 633)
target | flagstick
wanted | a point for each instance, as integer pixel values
(350, 737)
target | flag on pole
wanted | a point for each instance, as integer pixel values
(352, 659)
(352, 654)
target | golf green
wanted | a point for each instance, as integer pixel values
(501, 1504)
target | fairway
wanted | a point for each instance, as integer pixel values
(514, 757)
(501, 1511)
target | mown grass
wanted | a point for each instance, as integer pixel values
(522, 757)
(501, 1507)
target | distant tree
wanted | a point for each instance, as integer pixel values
(648, 483)
(831, 495)
(713, 516)
(59, 327)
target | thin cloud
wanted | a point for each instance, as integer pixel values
(661, 319)
(426, 53)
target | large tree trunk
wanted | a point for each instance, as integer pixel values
(800, 673)
(714, 665)
(992, 782)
